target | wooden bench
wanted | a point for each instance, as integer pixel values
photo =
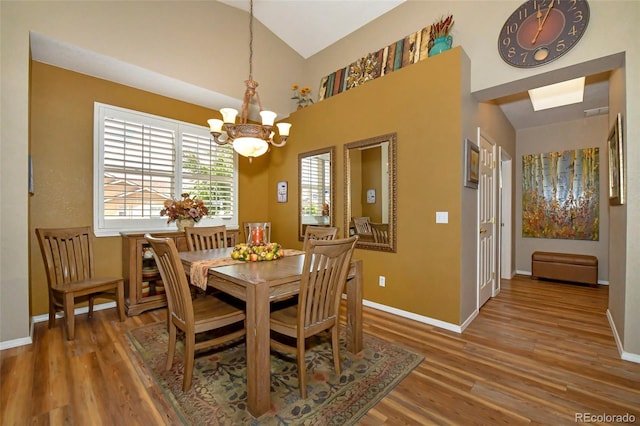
(579, 268)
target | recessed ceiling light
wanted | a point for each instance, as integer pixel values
(559, 94)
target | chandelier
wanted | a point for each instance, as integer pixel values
(248, 139)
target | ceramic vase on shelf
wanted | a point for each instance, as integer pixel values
(440, 45)
(181, 223)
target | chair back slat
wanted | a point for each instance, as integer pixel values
(380, 232)
(313, 232)
(175, 281)
(362, 224)
(67, 254)
(204, 238)
(325, 269)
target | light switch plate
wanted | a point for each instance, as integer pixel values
(442, 217)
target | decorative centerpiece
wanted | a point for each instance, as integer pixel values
(440, 39)
(258, 252)
(185, 212)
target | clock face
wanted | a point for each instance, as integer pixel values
(540, 31)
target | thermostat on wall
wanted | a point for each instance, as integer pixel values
(282, 192)
(371, 196)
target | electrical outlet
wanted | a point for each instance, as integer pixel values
(382, 281)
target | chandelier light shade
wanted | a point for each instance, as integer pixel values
(249, 140)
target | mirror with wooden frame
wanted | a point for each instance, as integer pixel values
(316, 189)
(370, 192)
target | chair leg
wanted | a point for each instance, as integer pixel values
(302, 369)
(52, 311)
(90, 315)
(120, 300)
(335, 347)
(189, 355)
(69, 315)
(172, 344)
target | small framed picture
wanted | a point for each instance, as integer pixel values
(282, 192)
(471, 164)
(616, 163)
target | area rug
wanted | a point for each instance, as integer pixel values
(218, 393)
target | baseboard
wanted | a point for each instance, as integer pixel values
(77, 311)
(627, 356)
(528, 273)
(45, 317)
(420, 318)
(8, 344)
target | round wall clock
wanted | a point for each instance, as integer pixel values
(540, 31)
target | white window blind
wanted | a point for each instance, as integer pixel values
(142, 160)
(208, 171)
(315, 185)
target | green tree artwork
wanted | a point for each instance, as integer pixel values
(561, 195)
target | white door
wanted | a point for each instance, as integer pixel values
(486, 220)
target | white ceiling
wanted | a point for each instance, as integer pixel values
(296, 23)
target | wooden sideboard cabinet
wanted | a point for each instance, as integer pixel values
(143, 285)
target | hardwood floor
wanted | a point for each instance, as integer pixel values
(539, 353)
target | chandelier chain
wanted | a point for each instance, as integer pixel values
(251, 40)
(248, 139)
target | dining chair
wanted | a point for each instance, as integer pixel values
(70, 266)
(380, 232)
(312, 232)
(325, 269)
(206, 237)
(267, 230)
(192, 316)
(362, 224)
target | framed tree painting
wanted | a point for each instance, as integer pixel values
(561, 194)
(616, 163)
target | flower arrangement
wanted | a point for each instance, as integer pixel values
(186, 208)
(442, 27)
(257, 253)
(302, 95)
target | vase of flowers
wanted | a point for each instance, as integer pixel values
(440, 38)
(185, 212)
(302, 95)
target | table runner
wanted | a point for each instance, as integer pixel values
(200, 268)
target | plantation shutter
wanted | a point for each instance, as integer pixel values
(138, 168)
(208, 173)
(315, 184)
(143, 160)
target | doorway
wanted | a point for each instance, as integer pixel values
(506, 219)
(486, 220)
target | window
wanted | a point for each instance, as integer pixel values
(142, 160)
(315, 185)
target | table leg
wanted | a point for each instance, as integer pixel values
(258, 362)
(354, 310)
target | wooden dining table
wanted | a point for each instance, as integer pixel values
(259, 284)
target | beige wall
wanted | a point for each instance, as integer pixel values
(586, 133)
(618, 299)
(170, 35)
(612, 29)
(62, 153)
(423, 276)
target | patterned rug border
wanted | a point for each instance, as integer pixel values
(368, 340)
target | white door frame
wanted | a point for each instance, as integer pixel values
(506, 220)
